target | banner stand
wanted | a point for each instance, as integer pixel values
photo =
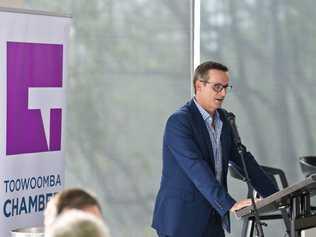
(33, 76)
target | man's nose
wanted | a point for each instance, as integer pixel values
(223, 92)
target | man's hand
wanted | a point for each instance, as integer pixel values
(242, 204)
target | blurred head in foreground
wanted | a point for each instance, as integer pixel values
(75, 223)
(70, 199)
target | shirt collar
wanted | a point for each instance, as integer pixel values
(205, 115)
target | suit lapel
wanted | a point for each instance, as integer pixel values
(201, 133)
(225, 141)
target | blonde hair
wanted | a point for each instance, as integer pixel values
(75, 223)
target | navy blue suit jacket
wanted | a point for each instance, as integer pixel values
(189, 193)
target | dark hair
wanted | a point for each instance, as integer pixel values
(201, 72)
(75, 198)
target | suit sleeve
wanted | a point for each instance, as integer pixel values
(179, 140)
(258, 178)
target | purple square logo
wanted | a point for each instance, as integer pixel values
(34, 84)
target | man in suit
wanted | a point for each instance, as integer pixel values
(193, 200)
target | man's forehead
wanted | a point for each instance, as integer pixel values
(215, 73)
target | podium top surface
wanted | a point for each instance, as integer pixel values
(281, 198)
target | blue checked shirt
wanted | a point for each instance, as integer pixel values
(215, 135)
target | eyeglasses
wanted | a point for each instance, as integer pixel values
(218, 87)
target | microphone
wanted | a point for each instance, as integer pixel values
(231, 119)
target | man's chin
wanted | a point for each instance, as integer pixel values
(218, 105)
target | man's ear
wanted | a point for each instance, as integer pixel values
(198, 85)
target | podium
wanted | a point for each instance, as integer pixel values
(294, 204)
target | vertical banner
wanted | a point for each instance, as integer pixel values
(33, 72)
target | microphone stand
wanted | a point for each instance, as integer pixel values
(241, 151)
(258, 225)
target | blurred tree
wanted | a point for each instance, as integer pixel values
(129, 68)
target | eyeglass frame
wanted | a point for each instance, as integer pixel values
(230, 87)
